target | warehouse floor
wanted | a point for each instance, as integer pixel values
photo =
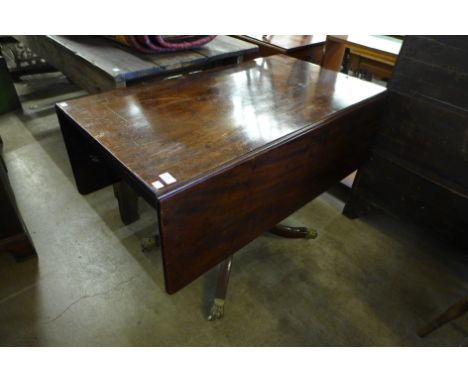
(365, 282)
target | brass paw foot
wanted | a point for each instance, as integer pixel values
(311, 234)
(217, 310)
(150, 242)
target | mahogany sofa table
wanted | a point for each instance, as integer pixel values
(223, 155)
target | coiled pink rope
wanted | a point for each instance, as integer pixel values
(155, 44)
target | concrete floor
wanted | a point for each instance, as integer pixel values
(368, 282)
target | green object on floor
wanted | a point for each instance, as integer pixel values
(8, 98)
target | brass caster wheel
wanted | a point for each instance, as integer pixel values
(311, 234)
(150, 242)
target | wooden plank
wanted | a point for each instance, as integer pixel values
(419, 170)
(427, 135)
(97, 64)
(427, 66)
(175, 61)
(81, 69)
(225, 47)
(217, 50)
(406, 194)
(222, 47)
(113, 59)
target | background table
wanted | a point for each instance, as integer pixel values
(303, 47)
(223, 155)
(376, 54)
(97, 64)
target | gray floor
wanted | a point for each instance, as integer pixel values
(371, 281)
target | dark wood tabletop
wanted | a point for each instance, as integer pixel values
(304, 47)
(289, 43)
(223, 155)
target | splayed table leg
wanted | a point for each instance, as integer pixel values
(453, 312)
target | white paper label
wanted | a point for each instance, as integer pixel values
(167, 178)
(157, 185)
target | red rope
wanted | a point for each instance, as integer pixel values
(155, 44)
(183, 45)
